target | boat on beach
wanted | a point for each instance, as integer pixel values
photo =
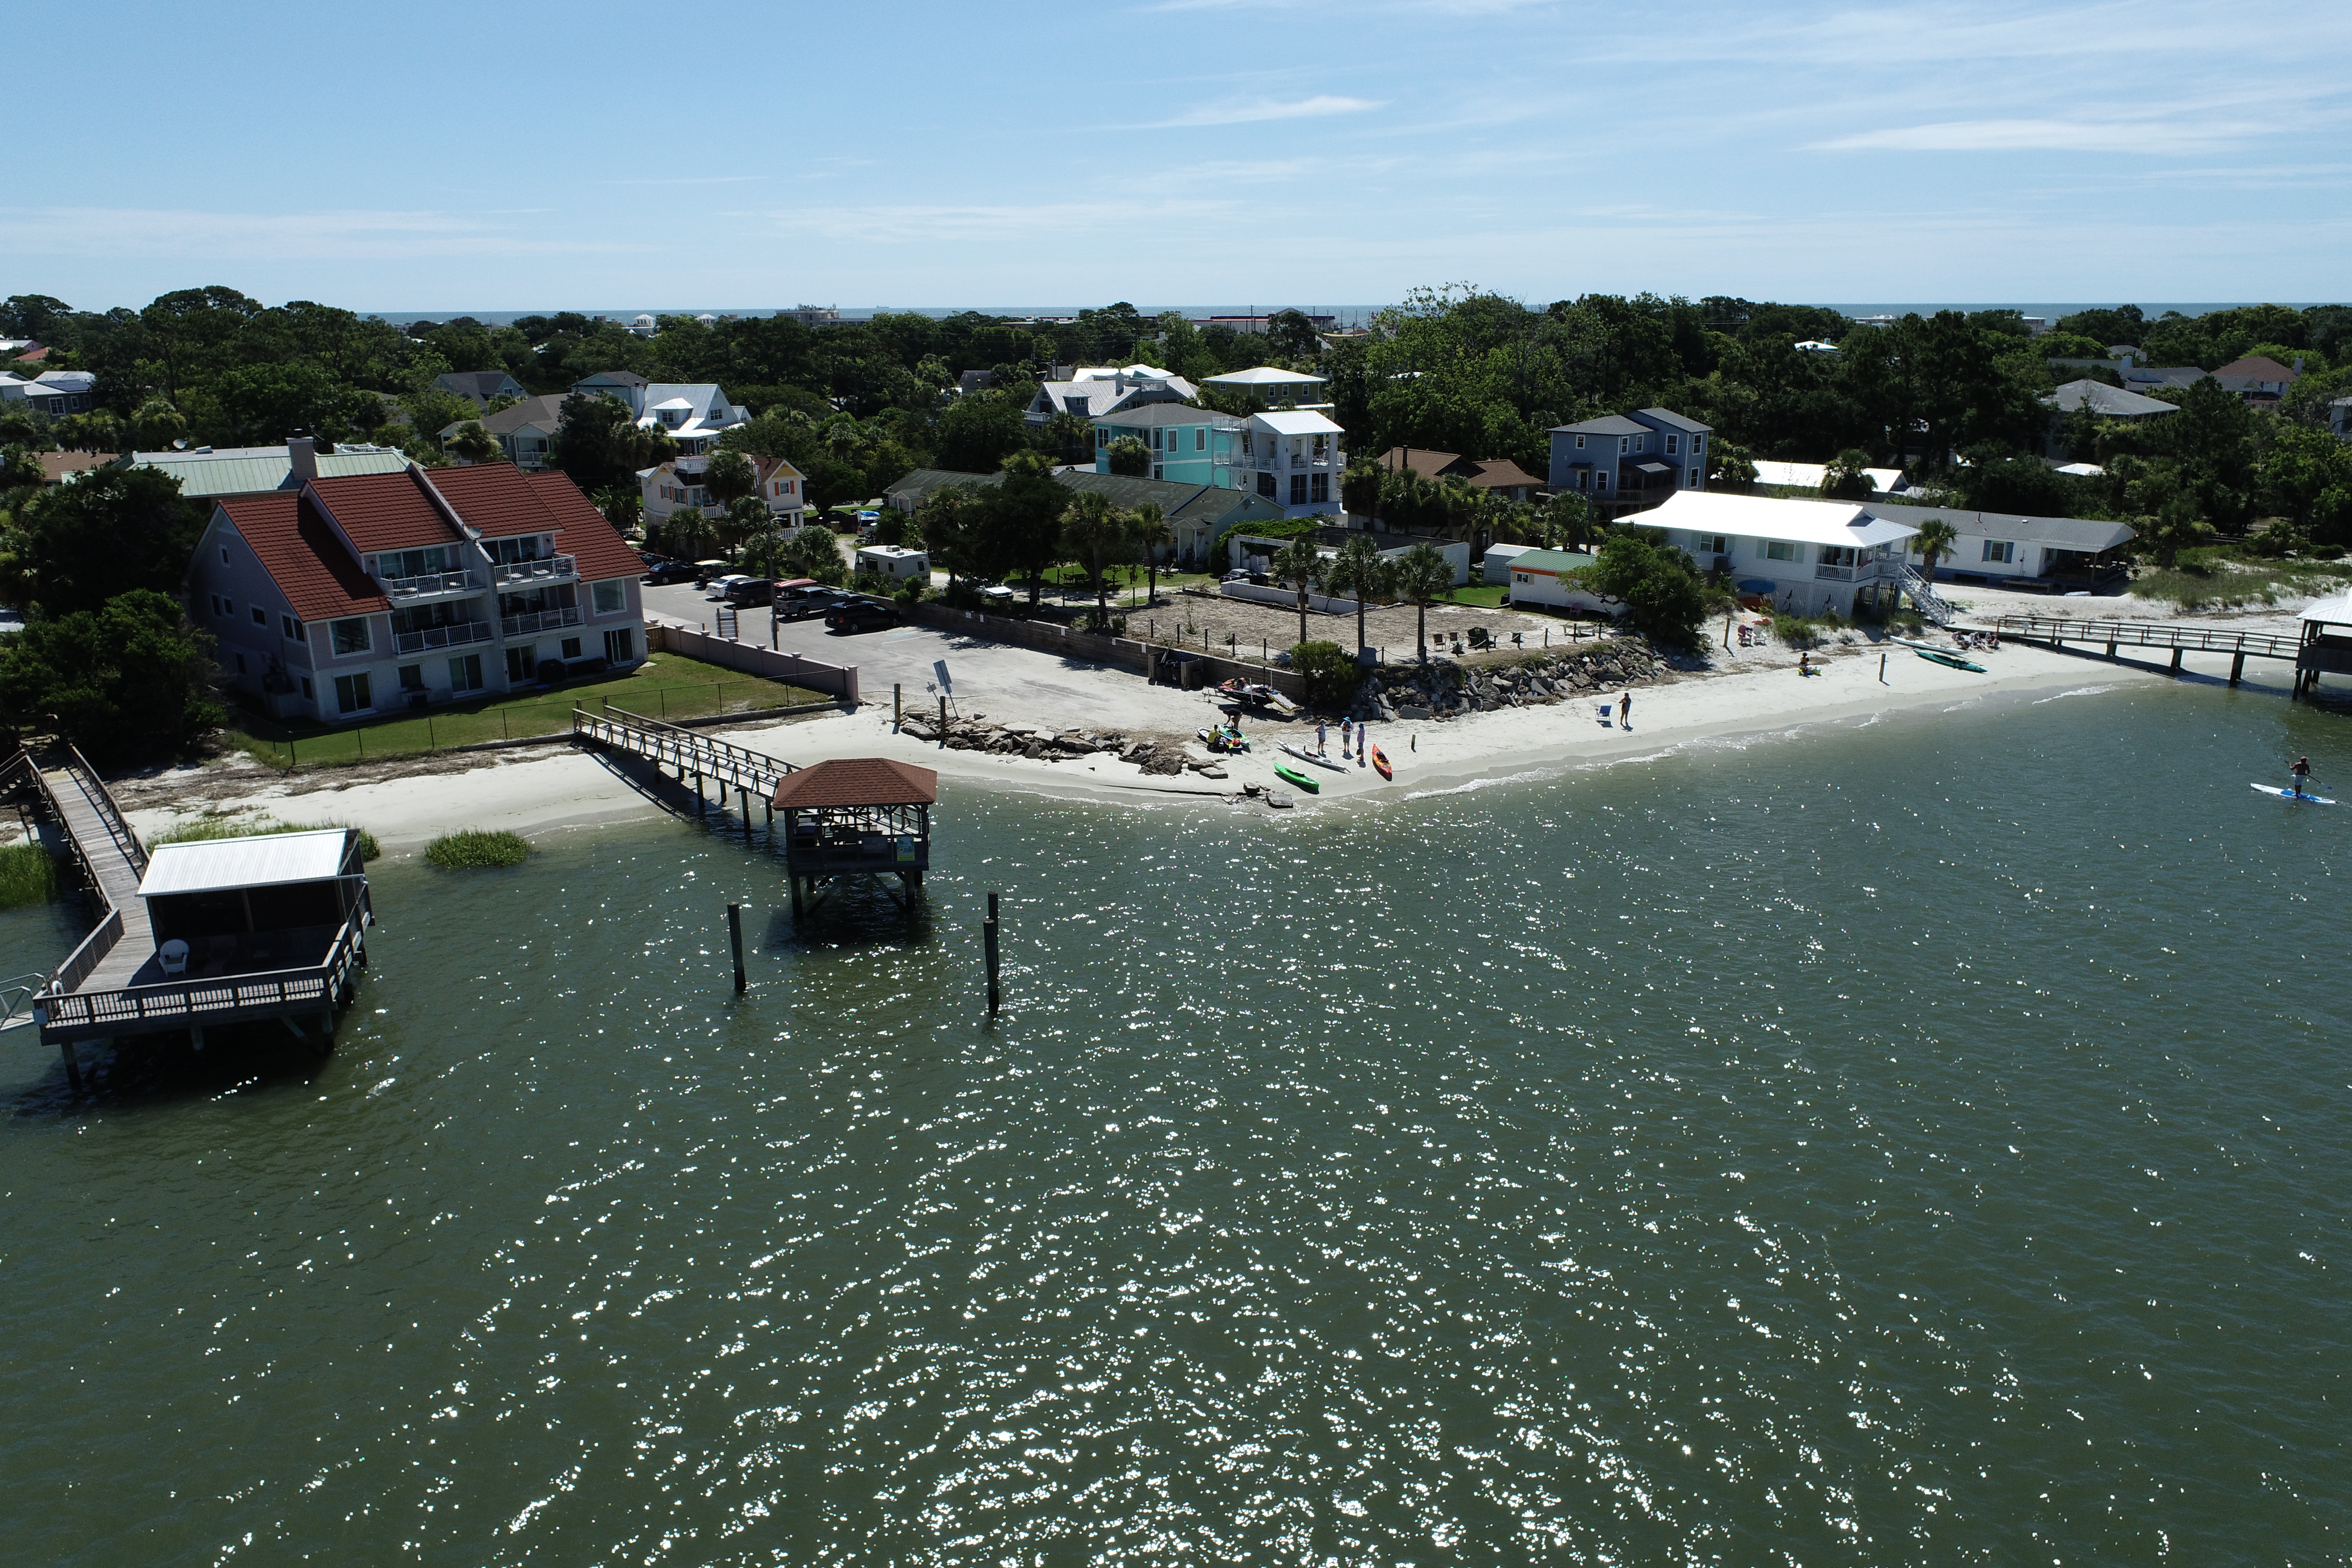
(1317, 758)
(1290, 774)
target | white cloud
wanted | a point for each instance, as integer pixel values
(2154, 138)
(1248, 113)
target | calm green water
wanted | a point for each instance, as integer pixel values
(1919, 1143)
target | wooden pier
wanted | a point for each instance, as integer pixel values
(693, 756)
(118, 982)
(2058, 631)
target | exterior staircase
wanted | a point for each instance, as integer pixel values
(1940, 610)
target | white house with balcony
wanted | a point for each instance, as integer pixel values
(1276, 388)
(675, 486)
(1803, 557)
(1291, 458)
(374, 593)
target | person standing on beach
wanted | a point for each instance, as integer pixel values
(1626, 711)
(2300, 772)
(1322, 732)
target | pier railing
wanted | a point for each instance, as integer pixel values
(224, 999)
(2062, 629)
(668, 745)
(110, 812)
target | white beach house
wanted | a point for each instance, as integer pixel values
(1805, 557)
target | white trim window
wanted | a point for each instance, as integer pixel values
(350, 635)
(1781, 550)
(2001, 550)
(1579, 443)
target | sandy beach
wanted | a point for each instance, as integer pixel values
(538, 790)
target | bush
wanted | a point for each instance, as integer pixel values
(911, 589)
(1796, 631)
(473, 848)
(1659, 586)
(1330, 673)
(28, 875)
(205, 829)
(963, 593)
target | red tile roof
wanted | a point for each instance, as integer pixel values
(495, 498)
(857, 780)
(385, 511)
(300, 550)
(586, 536)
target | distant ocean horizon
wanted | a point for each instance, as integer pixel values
(1347, 315)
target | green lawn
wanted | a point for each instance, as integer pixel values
(667, 686)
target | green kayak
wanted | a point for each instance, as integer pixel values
(1290, 774)
(1949, 660)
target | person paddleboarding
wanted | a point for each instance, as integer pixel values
(2301, 773)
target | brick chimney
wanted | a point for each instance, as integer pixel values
(304, 451)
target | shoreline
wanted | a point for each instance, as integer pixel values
(568, 789)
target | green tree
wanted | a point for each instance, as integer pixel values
(599, 443)
(156, 425)
(1358, 570)
(1130, 457)
(623, 506)
(1423, 574)
(1848, 477)
(472, 444)
(1329, 676)
(1289, 335)
(2178, 526)
(1152, 534)
(1095, 533)
(2305, 474)
(1567, 522)
(1021, 526)
(747, 518)
(131, 677)
(1300, 564)
(77, 546)
(1730, 462)
(1933, 542)
(1660, 590)
(1359, 490)
(947, 520)
(976, 433)
(730, 478)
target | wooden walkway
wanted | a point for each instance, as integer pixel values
(692, 754)
(2057, 631)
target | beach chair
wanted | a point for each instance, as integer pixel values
(174, 956)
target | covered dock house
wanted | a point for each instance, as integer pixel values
(2326, 647)
(855, 816)
(236, 931)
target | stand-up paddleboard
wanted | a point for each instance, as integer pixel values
(1381, 763)
(1304, 755)
(2290, 795)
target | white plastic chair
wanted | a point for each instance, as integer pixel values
(175, 956)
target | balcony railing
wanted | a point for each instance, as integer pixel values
(552, 568)
(539, 621)
(431, 583)
(458, 635)
(1861, 572)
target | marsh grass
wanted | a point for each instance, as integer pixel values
(204, 829)
(471, 848)
(28, 875)
(2216, 579)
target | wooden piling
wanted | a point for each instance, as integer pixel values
(73, 1065)
(701, 802)
(943, 718)
(735, 937)
(988, 946)
(897, 705)
(2176, 662)
(2237, 667)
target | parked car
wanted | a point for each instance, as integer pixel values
(861, 614)
(806, 602)
(670, 572)
(703, 571)
(996, 595)
(717, 587)
(749, 593)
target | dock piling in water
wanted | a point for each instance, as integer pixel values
(735, 937)
(987, 945)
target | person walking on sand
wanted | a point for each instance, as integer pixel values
(1626, 711)
(2301, 772)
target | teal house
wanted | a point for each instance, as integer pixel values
(1188, 446)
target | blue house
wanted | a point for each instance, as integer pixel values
(1626, 462)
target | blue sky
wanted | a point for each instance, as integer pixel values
(519, 155)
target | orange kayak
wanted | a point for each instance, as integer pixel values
(1381, 763)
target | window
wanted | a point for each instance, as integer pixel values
(1641, 443)
(1266, 486)
(1780, 550)
(1584, 479)
(521, 663)
(1999, 549)
(1579, 443)
(1621, 446)
(1298, 490)
(1319, 488)
(1102, 438)
(1690, 477)
(1601, 480)
(609, 598)
(1156, 472)
(228, 605)
(1200, 439)
(1322, 447)
(412, 677)
(351, 635)
(1155, 438)
(224, 554)
(620, 647)
(571, 647)
(1710, 544)
(260, 616)
(1698, 445)
(293, 628)
(351, 694)
(307, 692)
(466, 674)
(1672, 442)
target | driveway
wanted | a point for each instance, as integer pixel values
(1013, 685)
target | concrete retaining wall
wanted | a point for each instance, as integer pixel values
(833, 679)
(1124, 653)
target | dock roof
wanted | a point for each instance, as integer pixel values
(856, 781)
(226, 865)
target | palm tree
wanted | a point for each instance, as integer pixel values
(1421, 574)
(1093, 530)
(1935, 537)
(1358, 570)
(1359, 490)
(1848, 478)
(1300, 564)
(1152, 533)
(472, 444)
